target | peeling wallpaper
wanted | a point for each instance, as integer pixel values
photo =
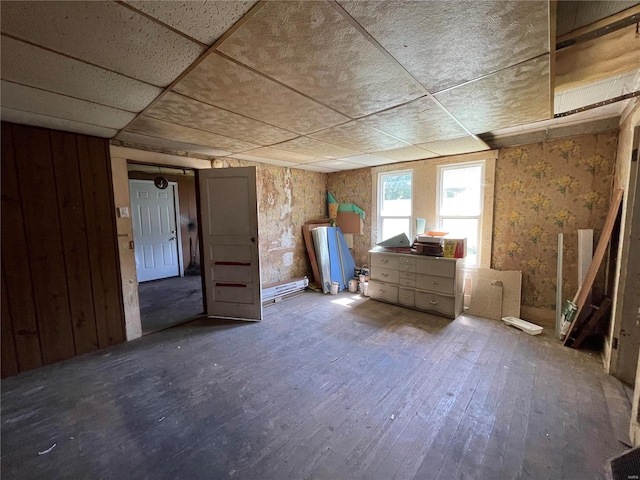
(354, 186)
(544, 189)
(287, 198)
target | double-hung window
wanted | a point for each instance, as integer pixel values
(460, 199)
(395, 193)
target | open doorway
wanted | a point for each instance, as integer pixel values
(165, 233)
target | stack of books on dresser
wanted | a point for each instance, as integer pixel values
(432, 245)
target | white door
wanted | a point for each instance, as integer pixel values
(229, 236)
(155, 235)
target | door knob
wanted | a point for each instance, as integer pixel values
(172, 238)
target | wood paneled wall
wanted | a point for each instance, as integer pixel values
(61, 292)
(188, 212)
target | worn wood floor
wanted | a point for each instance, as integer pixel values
(169, 302)
(325, 387)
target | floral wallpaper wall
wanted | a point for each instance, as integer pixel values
(287, 198)
(354, 186)
(544, 189)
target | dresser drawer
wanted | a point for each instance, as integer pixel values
(435, 284)
(406, 260)
(384, 261)
(407, 279)
(381, 291)
(436, 303)
(407, 268)
(437, 266)
(385, 275)
(406, 297)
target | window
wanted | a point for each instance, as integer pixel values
(460, 198)
(394, 204)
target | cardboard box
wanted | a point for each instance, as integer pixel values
(455, 247)
(350, 222)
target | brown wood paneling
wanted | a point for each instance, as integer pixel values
(15, 262)
(74, 237)
(97, 195)
(8, 353)
(44, 241)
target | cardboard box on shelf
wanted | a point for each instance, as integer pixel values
(350, 222)
(455, 247)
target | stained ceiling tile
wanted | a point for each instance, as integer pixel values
(284, 155)
(176, 108)
(312, 48)
(29, 65)
(419, 121)
(205, 21)
(368, 159)
(444, 43)
(28, 99)
(514, 96)
(145, 140)
(358, 136)
(455, 146)
(407, 153)
(221, 82)
(37, 120)
(121, 39)
(179, 133)
(311, 146)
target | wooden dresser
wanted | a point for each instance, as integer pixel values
(432, 284)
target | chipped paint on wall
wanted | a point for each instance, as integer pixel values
(287, 198)
(354, 186)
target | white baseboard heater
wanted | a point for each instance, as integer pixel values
(275, 292)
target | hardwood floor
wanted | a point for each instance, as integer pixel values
(325, 387)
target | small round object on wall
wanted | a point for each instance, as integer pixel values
(161, 182)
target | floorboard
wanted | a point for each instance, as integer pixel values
(325, 387)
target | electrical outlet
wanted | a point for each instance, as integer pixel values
(123, 212)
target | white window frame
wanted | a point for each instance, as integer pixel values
(479, 217)
(381, 176)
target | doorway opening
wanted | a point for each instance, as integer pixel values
(164, 214)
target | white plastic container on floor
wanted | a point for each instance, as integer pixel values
(526, 327)
(335, 287)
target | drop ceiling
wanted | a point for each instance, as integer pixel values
(317, 85)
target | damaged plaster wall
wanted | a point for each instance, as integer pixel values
(287, 198)
(354, 186)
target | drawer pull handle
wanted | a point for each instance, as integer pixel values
(434, 283)
(385, 274)
(433, 302)
(384, 260)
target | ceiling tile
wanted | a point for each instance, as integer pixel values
(334, 165)
(285, 156)
(455, 146)
(205, 21)
(444, 43)
(368, 159)
(313, 167)
(253, 158)
(145, 140)
(32, 100)
(311, 146)
(29, 65)
(358, 136)
(407, 153)
(121, 39)
(179, 133)
(221, 82)
(517, 95)
(176, 108)
(28, 118)
(312, 48)
(419, 121)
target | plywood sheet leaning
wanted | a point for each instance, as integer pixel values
(605, 236)
(486, 299)
(511, 287)
(311, 251)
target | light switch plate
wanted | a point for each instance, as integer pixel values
(123, 212)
